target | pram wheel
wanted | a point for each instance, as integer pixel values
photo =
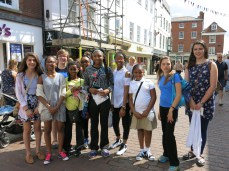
(4, 142)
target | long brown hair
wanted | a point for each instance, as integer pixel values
(160, 72)
(192, 58)
(24, 67)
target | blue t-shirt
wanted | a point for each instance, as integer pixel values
(64, 71)
(166, 90)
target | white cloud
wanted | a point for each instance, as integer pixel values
(180, 8)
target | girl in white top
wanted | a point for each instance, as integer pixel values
(142, 107)
(120, 102)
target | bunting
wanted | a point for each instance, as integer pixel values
(193, 4)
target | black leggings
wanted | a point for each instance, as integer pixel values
(126, 120)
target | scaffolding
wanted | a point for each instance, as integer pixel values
(87, 15)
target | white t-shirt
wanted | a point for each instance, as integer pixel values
(143, 98)
(119, 82)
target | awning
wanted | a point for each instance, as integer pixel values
(138, 54)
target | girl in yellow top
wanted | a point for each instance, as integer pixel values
(73, 108)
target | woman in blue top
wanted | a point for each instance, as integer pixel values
(168, 112)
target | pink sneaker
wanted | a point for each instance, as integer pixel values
(47, 159)
(63, 156)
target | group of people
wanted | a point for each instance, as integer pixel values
(63, 91)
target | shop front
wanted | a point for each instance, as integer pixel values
(16, 39)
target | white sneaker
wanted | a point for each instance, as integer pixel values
(140, 156)
(122, 149)
(149, 156)
(117, 143)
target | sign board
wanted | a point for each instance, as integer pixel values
(16, 52)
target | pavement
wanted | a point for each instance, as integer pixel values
(216, 150)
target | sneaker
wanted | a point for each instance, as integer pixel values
(105, 153)
(62, 155)
(200, 161)
(77, 153)
(117, 143)
(163, 159)
(47, 159)
(174, 168)
(93, 153)
(86, 144)
(140, 156)
(149, 156)
(122, 149)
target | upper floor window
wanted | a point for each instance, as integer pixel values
(145, 36)
(214, 27)
(193, 35)
(181, 25)
(146, 5)
(180, 48)
(73, 13)
(117, 24)
(181, 35)
(138, 34)
(211, 50)
(150, 38)
(155, 14)
(140, 2)
(14, 4)
(212, 39)
(151, 7)
(106, 25)
(118, 2)
(194, 25)
(131, 31)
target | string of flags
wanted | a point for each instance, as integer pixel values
(205, 8)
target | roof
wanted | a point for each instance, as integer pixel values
(209, 30)
(186, 18)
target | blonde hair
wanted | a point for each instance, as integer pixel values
(12, 63)
(64, 52)
(132, 57)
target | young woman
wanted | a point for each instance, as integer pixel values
(74, 107)
(85, 62)
(26, 85)
(202, 75)
(53, 85)
(120, 102)
(99, 83)
(142, 97)
(168, 111)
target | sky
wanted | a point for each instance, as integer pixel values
(179, 8)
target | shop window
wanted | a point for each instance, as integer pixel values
(28, 48)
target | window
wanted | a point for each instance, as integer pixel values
(193, 35)
(155, 38)
(180, 48)
(150, 38)
(212, 39)
(155, 14)
(118, 2)
(140, 2)
(151, 7)
(146, 5)
(211, 51)
(138, 34)
(163, 23)
(194, 25)
(166, 27)
(181, 25)
(160, 40)
(117, 26)
(163, 43)
(145, 36)
(91, 20)
(131, 31)
(73, 14)
(106, 25)
(181, 35)
(214, 27)
(161, 20)
(10, 4)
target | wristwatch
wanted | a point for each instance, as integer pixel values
(124, 107)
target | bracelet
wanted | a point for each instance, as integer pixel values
(172, 107)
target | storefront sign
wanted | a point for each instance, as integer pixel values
(16, 52)
(5, 31)
(139, 48)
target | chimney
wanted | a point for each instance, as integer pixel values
(201, 15)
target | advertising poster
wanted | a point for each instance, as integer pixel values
(16, 52)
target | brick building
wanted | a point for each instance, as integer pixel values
(21, 29)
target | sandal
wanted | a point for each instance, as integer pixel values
(189, 156)
(40, 155)
(29, 159)
(200, 161)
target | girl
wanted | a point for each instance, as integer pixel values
(73, 104)
(99, 82)
(120, 103)
(85, 62)
(202, 75)
(26, 85)
(53, 85)
(168, 111)
(142, 90)
(130, 65)
(62, 61)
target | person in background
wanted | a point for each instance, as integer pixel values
(85, 62)
(178, 67)
(145, 100)
(62, 62)
(157, 66)
(130, 65)
(26, 85)
(202, 75)
(222, 75)
(99, 83)
(168, 111)
(88, 53)
(120, 103)
(8, 81)
(227, 83)
(53, 86)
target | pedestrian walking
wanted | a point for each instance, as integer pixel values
(202, 75)
(99, 83)
(168, 111)
(142, 97)
(120, 103)
(51, 91)
(178, 67)
(25, 88)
